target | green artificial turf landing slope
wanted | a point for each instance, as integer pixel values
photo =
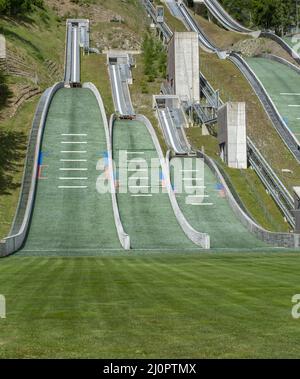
(213, 215)
(149, 219)
(69, 213)
(282, 84)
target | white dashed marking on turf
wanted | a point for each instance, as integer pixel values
(64, 178)
(137, 169)
(201, 204)
(289, 94)
(198, 196)
(73, 169)
(74, 151)
(195, 187)
(141, 195)
(73, 142)
(73, 160)
(138, 177)
(138, 186)
(294, 105)
(70, 134)
(136, 161)
(190, 170)
(195, 179)
(72, 187)
(135, 152)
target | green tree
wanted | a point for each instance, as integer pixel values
(273, 14)
(16, 7)
(264, 14)
(155, 57)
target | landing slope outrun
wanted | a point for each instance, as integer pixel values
(213, 215)
(69, 214)
(148, 219)
(283, 85)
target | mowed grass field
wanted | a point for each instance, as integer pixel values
(152, 306)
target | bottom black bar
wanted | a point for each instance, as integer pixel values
(146, 368)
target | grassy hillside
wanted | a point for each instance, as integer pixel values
(35, 56)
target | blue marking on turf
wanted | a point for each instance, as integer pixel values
(105, 156)
(41, 156)
(116, 175)
(219, 187)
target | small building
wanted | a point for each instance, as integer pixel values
(183, 66)
(232, 134)
(84, 32)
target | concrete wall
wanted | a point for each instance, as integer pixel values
(183, 66)
(2, 47)
(232, 134)
(289, 240)
(21, 223)
(123, 237)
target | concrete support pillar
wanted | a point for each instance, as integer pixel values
(232, 134)
(183, 66)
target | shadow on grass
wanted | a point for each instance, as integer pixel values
(18, 19)
(15, 36)
(12, 152)
(5, 92)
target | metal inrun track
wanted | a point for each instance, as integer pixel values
(272, 183)
(118, 73)
(72, 67)
(224, 18)
(192, 25)
(229, 23)
(163, 27)
(74, 34)
(271, 110)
